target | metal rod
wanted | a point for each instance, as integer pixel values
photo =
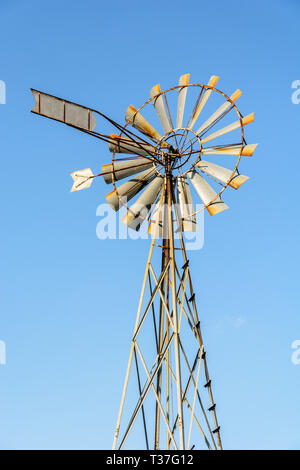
(161, 278)
(198, 395)
(162, 297)
(161, 332)
(140, 392)
(142, 398)
(157, 397)
(174, 307)
(184, 398)
(194, 399)
(132, 347)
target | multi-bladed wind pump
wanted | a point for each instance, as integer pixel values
(171, 404)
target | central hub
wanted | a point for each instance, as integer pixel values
(181, 147)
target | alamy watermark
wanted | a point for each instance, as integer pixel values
(2, 353)
(2, 92)
(296, 354)
(296, 94)
(111, 226)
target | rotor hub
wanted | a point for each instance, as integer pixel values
(181, 148)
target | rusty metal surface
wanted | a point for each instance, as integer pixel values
(183, 82)
(231, 127)
(138, 211)
(64, 111)
(158, 103)
(210, 88)
(123, 169)
(247, 150)
(134, 118)
(219, 111)
(119, 144)
(207, 194)
(222, 174)
(129, 189)
(83, 118)
(203, 100)
(184, 197)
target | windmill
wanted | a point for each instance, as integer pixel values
(167, 385)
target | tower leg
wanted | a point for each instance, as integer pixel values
(175, 317)
(160, 343)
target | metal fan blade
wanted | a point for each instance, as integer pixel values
(123, 169)
(247, 151)
(222, 174)
(136, 120)
(207, 194)
(120, 144)
(159, 220)
(212, 83)
(82, 179)
(219, 111)
(129, 189)
(156, 225)
(159, 107)
(235, 125)
(63, 111)
(139, 210)
(183, 82)
(188, 221)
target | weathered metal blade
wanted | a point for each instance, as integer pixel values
(247, 151)
(212, 83)
(82, 179)
(123, 169)
(136, 120)
(183, 82)
(159, 107)
(139, 210)
(188, 221)
(219, 111)
(129, 189)
(222, 174)
(158, 226)
(120, 144)
(208, 196)
(235, 125)
(63, 111)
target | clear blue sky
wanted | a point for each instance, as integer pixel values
(66, 317)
